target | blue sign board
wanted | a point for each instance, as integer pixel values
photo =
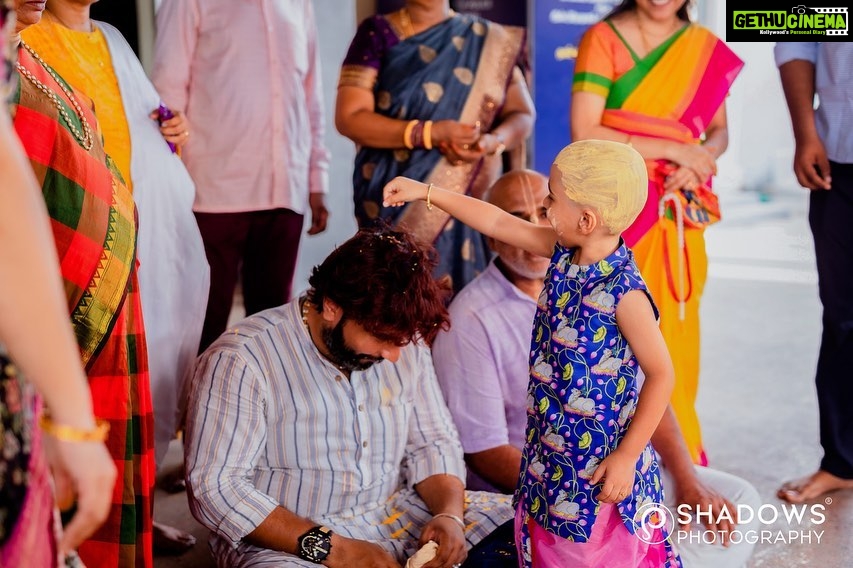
(557, 27)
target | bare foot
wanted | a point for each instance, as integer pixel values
(169, 541)
(812, 486)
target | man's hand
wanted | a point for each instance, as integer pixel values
(175, 130)
(319, 213)
(699, 496)
(811, 164)
(351, 553)
(452, 549)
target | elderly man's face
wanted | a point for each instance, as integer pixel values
(522, 198)
(353, 348)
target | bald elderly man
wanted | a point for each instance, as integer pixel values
(482, 368)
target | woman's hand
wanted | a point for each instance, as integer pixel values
(456, 154)
(402, 190)
(448, 132)
(175, 130)
(452, 550)
(617, 471)
(682, 177)
(697, 158)
(84, 470)
(486, 145)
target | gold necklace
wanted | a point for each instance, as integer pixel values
(305, 315)
(406, 21)
(86, 139)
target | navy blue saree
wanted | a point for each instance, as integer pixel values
(459, 69)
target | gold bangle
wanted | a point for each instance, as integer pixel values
(407, 134)
(428, 203)
(428, 135)
(72, 434)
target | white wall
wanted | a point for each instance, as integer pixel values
(336, 22)
(761, 142)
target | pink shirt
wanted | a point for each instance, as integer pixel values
(247, 75)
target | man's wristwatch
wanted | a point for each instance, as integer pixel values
(315, 545)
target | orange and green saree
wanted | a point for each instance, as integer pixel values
(672, 93)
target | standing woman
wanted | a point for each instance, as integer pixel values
(438, 97)
(94, 230)
(173, 273)
(648, 77)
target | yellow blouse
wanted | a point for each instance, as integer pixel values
(83, 60)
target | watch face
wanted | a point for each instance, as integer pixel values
(315, 545)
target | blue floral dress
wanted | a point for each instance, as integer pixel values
(581, 397)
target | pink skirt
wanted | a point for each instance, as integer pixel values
(610, 545)
(32, 543)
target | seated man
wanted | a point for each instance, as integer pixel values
(317, 431)
(482, 367)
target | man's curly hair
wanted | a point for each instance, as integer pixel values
(382, 279)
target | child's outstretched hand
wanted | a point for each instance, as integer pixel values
(617, 471)
(402, 190)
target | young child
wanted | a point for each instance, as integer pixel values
(589, 481)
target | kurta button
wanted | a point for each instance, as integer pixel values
(338, 378)
(364, 444)
(361, 408)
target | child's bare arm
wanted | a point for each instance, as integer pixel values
(636, 321)
(484, 217)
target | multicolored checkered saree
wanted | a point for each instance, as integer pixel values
(93, 219)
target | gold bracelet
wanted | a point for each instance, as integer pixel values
(407, 134)
(428, 135)
(458, 521)
(428, 203)
(72, 434)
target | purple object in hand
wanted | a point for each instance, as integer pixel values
(163, 114)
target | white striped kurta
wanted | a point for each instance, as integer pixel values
(272, 422)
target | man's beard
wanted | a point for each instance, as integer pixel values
(346, 358)
(521, 263)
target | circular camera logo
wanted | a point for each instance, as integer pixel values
(653, 522)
